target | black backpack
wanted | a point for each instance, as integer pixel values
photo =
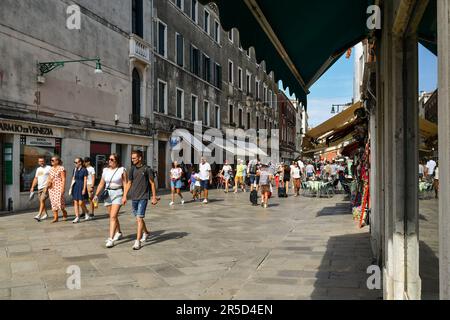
(253, 168)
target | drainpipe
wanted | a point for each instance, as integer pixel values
(152, 79)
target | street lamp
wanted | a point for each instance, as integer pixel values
(46, 67)
(335, 111)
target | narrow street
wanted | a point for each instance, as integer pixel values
(298, 248)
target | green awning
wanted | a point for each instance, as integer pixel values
(428, 27)
(313, 34)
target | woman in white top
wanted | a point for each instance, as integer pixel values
(114, 178)
(296, 177)
(226, 173)
(175, 182)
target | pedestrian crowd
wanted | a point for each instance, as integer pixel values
(117, 184)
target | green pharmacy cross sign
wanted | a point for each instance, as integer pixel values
(46, 67)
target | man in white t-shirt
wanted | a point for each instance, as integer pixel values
(431, 165)
(40, 179)
(90, 185)
(205, 177)
(301, 166)
(310, 171)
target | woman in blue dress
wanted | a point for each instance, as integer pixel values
(79, 188)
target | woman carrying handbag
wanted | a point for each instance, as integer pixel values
(114, 178)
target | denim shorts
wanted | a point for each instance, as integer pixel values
(114, 197)
(175, 184)
(139, 207)
(204, 184)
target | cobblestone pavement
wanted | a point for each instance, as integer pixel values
(298, 248)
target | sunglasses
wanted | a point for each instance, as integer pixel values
(111, 159)
(53, 160)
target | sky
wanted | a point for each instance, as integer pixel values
(336, 85)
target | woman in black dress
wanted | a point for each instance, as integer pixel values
(79, 188)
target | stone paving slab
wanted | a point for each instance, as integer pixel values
(226, 249)
(429, 248)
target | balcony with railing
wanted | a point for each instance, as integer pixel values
(139, 49)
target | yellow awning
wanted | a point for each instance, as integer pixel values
(339, 144)
(334, 123)
(427, 128)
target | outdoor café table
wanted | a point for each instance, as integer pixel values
(423, 186)
(315, 186)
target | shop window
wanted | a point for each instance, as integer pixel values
(31, 149)
(100, 153)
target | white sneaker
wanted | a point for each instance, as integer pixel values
(87, 217)
(171, 203)
(182, 201)
(117, 236)
(45, 216)
(76, 220)
(144, 237)
(205, 201)
(37, 218)
(137, 245)
(110, 243)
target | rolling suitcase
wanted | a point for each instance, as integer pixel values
(282, 192)
(254, 197)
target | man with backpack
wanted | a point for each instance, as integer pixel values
(252, 170)
(141, 180)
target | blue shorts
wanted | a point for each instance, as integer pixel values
(253, 178)
(204, 184)
(175, 184)
(139, 207)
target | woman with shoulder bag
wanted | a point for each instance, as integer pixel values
(114, 178)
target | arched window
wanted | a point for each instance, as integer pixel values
(136, 96)
(137, 18)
